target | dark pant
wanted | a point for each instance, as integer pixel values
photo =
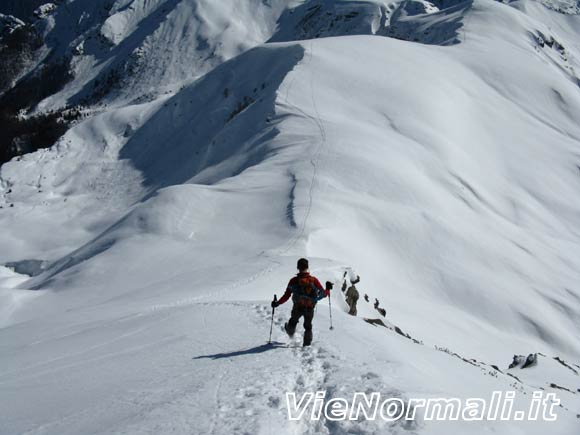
(308, 314)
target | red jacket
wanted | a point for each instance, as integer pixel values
(292, 284)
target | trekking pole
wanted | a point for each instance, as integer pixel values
(272, 321)
(330, 311)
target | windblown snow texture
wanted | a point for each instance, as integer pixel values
(430, 146)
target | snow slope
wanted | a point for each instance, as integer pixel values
(205, 368)
(446, 175)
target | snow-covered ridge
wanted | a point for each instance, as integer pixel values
(121, 51)
(570, 7)
(417, 21)
(444, 172)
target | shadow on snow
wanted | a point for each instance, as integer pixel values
(251, 351)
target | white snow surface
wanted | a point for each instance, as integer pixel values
(444, 170)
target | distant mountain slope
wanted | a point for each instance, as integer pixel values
(111, 53)
(81, 58)
(157, 229)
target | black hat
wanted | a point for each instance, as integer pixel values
(302, 264)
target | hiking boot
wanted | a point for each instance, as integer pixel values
(307, 338)
(288, 330)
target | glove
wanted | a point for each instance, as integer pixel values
(274, 304)
(327, 293)
(329, 286)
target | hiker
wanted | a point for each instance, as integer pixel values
(352, 296)
(306, 291)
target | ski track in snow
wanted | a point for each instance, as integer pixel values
(317, 153)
